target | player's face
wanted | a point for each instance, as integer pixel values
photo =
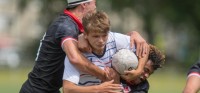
(148, 70)
(90, 6)
(97, 41)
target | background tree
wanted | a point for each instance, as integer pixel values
(172, 25)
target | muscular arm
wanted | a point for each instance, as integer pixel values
(80, 62)
(106, 87)
(142, 62)
(131, 75)
(142, 52)
(141, 45)
(192, 85)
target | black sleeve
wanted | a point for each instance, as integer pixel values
(67, 30)
(195, 68)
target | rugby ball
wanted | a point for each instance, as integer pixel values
(123, 60)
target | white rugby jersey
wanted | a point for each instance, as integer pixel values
(115, 42)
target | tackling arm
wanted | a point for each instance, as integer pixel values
(140, 43)
(106, 87)
(80, 62)
(131, 75)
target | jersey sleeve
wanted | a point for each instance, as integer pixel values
(70, 72)
(122, 41)
(194, 70)
(66, 31)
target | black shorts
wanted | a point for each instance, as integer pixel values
(28, 88)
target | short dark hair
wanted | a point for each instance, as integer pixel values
(71, 7)
(156, 56)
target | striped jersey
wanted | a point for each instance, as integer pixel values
(115, 42)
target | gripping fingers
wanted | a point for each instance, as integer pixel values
(137, 49)
(115, 88)
(140, 50)
(144, 49)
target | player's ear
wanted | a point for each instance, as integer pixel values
(85, 35)
(83, 5)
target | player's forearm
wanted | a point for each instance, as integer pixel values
(69, 87)
(192, 85)
(142, 62)
(131, 32)
(106, 87)
(79, 89)
(91, 69)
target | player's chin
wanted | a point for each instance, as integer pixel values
(136, 81)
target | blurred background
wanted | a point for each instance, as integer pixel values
(172, 25)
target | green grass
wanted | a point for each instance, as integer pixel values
(167, 82)
(11, 80)
(160, 82)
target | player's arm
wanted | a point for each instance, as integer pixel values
(142, 61)
(71, 78)
(193, 83)
(106, 87)
(136, 39)
(140, 43)
(79, 61)
(83, 44)
(131, 75)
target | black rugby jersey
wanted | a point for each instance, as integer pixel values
(142, 87)
(47, 73)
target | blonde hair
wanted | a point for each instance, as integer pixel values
(96, 21)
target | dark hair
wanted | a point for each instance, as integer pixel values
(156, 56)
(71, 7)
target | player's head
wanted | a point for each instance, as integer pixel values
(156, 60)
(96, 25)
(84, 5)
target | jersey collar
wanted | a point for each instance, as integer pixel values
(80, 26)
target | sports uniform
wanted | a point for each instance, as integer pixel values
(114, 43)
(195, 70)
(142, 87)
(46, 76)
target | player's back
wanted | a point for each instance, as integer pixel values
(49, 63)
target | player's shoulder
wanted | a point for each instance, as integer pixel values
(143, 87)
(64, 21)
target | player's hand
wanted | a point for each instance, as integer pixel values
(83, 44)
(109, 87)
(112, 75)
(131, 75)
(140, 43)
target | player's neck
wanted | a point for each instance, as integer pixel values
(99, 52)
(78, 14)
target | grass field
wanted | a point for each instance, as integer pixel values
(160, 82)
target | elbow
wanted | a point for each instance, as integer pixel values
(68, 90)
(74, 61)
(68, 87)
(65, 90)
